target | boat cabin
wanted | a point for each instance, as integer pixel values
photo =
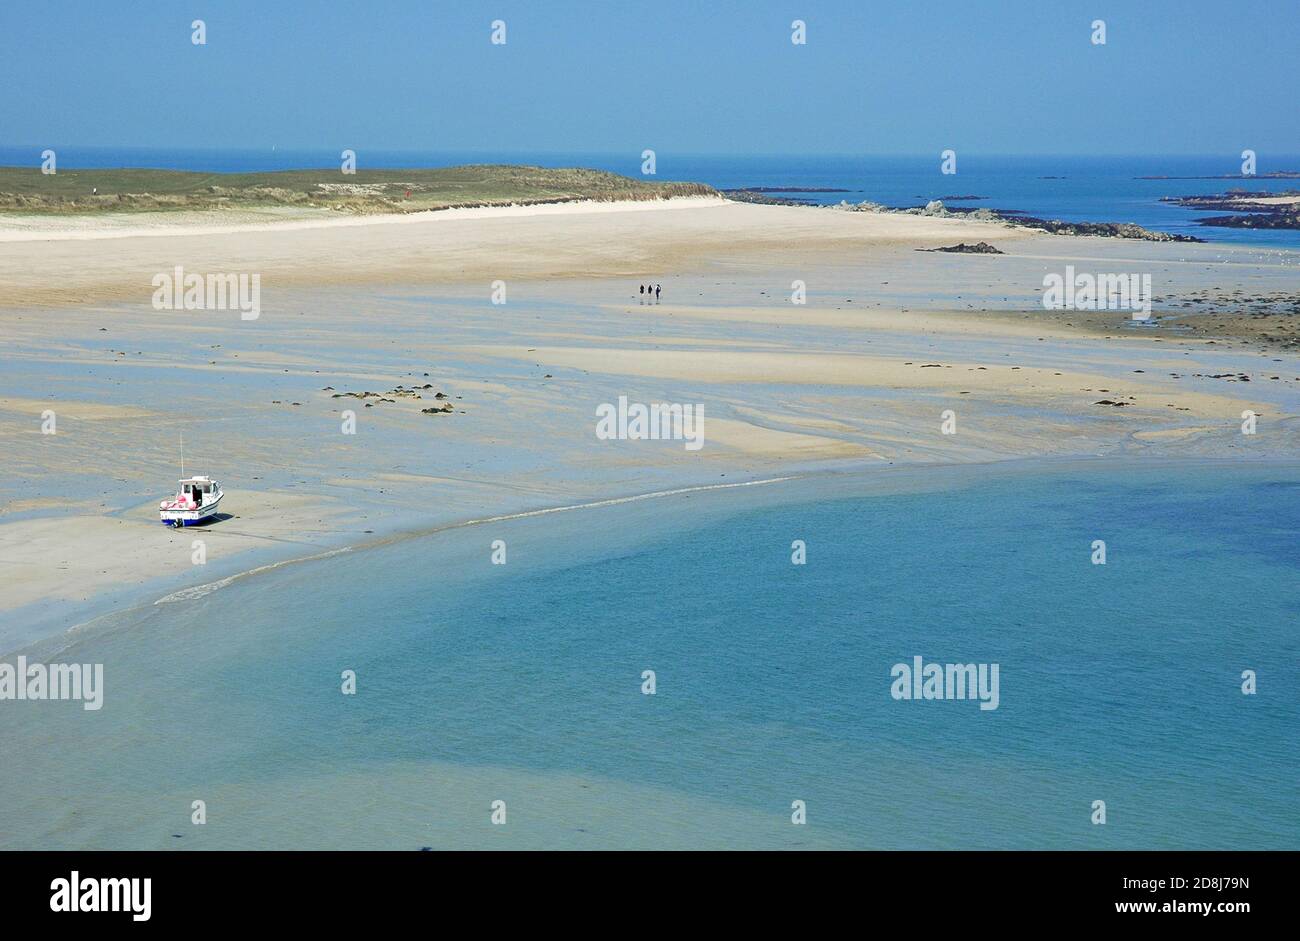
(198, 489)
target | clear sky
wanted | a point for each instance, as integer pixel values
(700, 76)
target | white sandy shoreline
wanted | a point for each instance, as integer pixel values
(55, 636)
(15, 227)
(580, 239)
(198, 591)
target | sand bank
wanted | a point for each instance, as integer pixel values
(18, 227)
(568, 240)
(859, 376)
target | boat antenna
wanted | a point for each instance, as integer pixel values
(182, 455)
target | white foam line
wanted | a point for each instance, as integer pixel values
(194, 592)
(614, 501)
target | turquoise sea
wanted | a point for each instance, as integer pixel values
(523, 682)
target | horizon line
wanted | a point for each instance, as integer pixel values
(631, 154)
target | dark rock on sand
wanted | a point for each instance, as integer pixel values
(979, 248)
(399, 392)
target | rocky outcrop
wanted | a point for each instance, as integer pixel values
(1249, 210)
(399, 392)
(765, 199)
(1263, 220)
(936, 209)
(1116, 230)
(979, 248)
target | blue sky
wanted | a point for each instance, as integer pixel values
(707, 76)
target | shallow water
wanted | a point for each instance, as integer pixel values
(523, 682)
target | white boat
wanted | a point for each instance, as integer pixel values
(196, 499)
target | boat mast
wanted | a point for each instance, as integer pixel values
(182, 455)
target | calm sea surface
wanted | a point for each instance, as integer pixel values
(523, 682)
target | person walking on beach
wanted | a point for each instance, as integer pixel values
(642, 288)
(658, 288)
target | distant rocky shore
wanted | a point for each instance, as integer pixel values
(1271, 175)
(1260, 209)
(788, 189)
(936, 208)
(1118, 230)
(770, 195)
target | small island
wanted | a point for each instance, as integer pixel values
(1271, 175)
(1246, 210)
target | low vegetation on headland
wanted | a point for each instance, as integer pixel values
(28, 190)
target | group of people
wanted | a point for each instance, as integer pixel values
(648, 289)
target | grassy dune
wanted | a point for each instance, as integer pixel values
(27, 190)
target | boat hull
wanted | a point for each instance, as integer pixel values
(190, 517)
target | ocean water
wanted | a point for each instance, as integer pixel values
(1072, 188)
(523, 682)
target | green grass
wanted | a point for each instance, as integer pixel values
(27, 190)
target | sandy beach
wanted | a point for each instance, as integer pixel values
(889, 342)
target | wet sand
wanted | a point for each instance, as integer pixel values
(860, 376)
